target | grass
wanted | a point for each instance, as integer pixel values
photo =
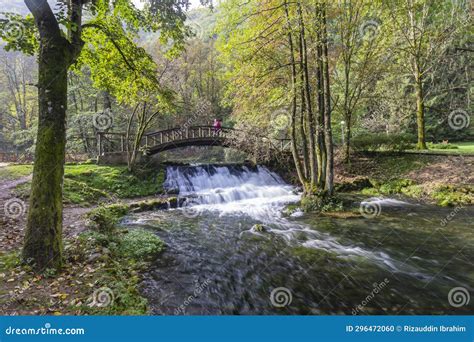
(390, 167)
(11, 172)
(86, 184)
(443, 195)
(101, 273)
(464, 148)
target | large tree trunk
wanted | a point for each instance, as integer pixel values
(43, 237)
(420, 114)
(313, 162)
(294, 148)
(327, 112)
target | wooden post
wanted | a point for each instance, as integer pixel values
(161, 138)
(99, 143)
(146, 140)
(122, 143)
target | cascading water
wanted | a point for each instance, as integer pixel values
(262, 195)
(218, 262)
(255, 191)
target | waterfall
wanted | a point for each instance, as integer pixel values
(260, 194)
(232, 188)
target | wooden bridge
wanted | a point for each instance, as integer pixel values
(156, 142)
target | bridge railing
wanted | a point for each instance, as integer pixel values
(116, 141)
(181, 133)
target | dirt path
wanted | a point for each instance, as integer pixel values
(13, 215)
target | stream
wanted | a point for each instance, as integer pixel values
(232, 250)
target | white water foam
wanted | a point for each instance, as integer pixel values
(262, 194)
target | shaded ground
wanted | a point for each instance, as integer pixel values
(90, 269)
(444, 180)
(419, 168)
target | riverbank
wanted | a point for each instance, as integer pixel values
(441, 180)
(104, 263)
(101, 266)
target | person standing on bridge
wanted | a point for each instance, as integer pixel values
(217, 126)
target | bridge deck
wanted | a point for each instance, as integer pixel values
(163, 140)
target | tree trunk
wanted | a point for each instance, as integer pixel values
(420, 114)
(347, 137)
(294, 149)
(327, 112)
(43, 237)
(312, 131)
(320, 145)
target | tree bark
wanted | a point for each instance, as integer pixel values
(43, 237)
(312, 131)
(327, 112)
(294, 148)
(420, 114)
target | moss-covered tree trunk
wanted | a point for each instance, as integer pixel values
(43, 237)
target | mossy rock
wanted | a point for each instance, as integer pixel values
(155, 204)
(259, 228)
(104, 218)
(321, 202)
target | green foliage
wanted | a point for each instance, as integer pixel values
(11, 172)
(382, 141)
(116, 180)
(321, 202)
(395, 186)
(139, 244)
(450, 195)
(19, 33)
(120, 275)
(87, 183)
(104, 218)
(81, 193)
(442, 146)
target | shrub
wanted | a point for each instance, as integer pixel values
(104, 218)
(321, 202)
(382, 141)
(442, 146)
(139, 244)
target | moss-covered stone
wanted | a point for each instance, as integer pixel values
(321, 202)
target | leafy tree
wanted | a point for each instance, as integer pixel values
(59, 38)
(425, 28)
